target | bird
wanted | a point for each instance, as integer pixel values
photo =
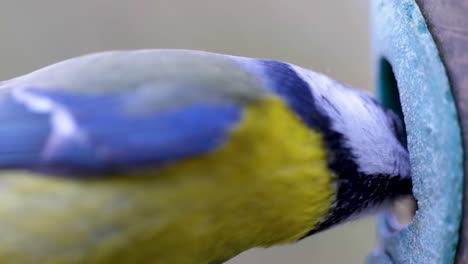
(184, 156)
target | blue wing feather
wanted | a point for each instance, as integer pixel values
(22, 133)
(106, 136)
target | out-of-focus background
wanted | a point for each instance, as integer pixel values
(330, 36)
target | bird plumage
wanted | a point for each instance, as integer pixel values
(172, 156)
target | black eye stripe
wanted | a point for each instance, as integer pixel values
(398, 127)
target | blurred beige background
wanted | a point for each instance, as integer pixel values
(329, 36)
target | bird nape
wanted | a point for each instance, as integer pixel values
(178, 156)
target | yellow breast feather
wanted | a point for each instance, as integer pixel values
(268, 184)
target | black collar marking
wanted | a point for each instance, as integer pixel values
(356, 191)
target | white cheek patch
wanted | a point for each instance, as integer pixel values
(365, 126)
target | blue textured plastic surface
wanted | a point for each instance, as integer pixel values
(401, 36)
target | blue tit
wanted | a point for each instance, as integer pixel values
(177, 156)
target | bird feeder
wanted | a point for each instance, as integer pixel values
(421, 68)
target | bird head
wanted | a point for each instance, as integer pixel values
(365, 142)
